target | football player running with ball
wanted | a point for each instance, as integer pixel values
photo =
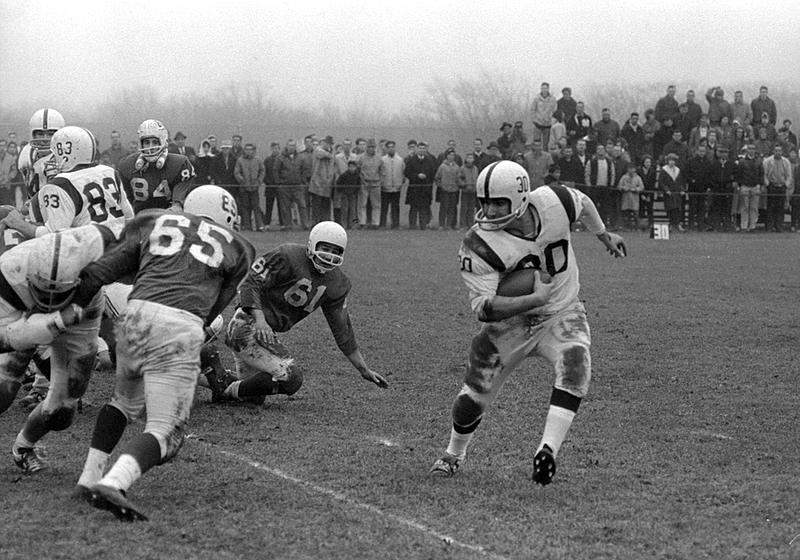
(187, 266)
(517, 228)
(283, 287)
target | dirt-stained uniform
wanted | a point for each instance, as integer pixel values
(286, 286)
(186, 271)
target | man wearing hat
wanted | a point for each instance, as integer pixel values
(179, 147)
(504, 141)
(223, 167)
(420, 172)
(370, 195)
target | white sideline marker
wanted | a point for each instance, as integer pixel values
(707, 433)
(340, 496)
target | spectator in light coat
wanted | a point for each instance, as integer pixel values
(393, 180)
(323, 173)
(446, 180)
(249, 173)
(544, 105)
(371, 166)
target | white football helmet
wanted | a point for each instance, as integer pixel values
(43, 125)
(323, 258)
(54, 264)
(213, 202)
(72, 146)
(152, 128)
(503, 179)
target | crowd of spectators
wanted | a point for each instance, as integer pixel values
(723, 166)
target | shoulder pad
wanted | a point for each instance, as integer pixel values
(475, 243)
(565, 197)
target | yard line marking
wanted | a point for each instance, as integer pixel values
(383, 441)
(342, 497)
(710, 434)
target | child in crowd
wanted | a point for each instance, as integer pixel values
(631, 185)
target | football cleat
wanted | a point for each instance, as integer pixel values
(113, 500)
(544, 466)
(33, 398)
(27, 459)
(81, 492)
(218, 381)
(446, 466)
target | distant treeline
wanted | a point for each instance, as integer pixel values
(462, 108)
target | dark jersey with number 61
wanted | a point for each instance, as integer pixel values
(179, 260)
(284, 284)
(150, 187)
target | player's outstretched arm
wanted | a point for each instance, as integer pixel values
(358, 362)
(614, 243)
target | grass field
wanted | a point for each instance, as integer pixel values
(687, 446)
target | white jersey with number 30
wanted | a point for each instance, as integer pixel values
(84, 196)
(486, 256)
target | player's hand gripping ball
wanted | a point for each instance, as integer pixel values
(521, 282)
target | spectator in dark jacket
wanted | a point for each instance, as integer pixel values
(606, 128)
(271, 181)
(667, 106)
(420, 172)
(580, 126)
(764, 104)
(224, 165)
(249, 173)
(292, 190)
(723, 175)
(698, 177)
(633, 134)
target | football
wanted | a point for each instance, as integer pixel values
(520, 282)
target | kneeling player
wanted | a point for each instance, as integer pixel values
(516, 228)
(283, 287)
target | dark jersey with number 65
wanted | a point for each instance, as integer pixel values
(179, 260)
(284, 284)
(150, 187)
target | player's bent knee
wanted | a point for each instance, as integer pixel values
(80, 373)
(466, 410)
(577, 370)
(484, 362)
(59, 419)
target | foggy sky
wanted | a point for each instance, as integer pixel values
(380, 54)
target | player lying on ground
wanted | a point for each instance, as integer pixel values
(283, 287)
(516, 229)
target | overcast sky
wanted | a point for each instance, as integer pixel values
(381, 53)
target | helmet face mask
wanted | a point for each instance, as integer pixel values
(153, 139)
(326, 246)
(43, 124)
(502, 180)
(214, 203)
